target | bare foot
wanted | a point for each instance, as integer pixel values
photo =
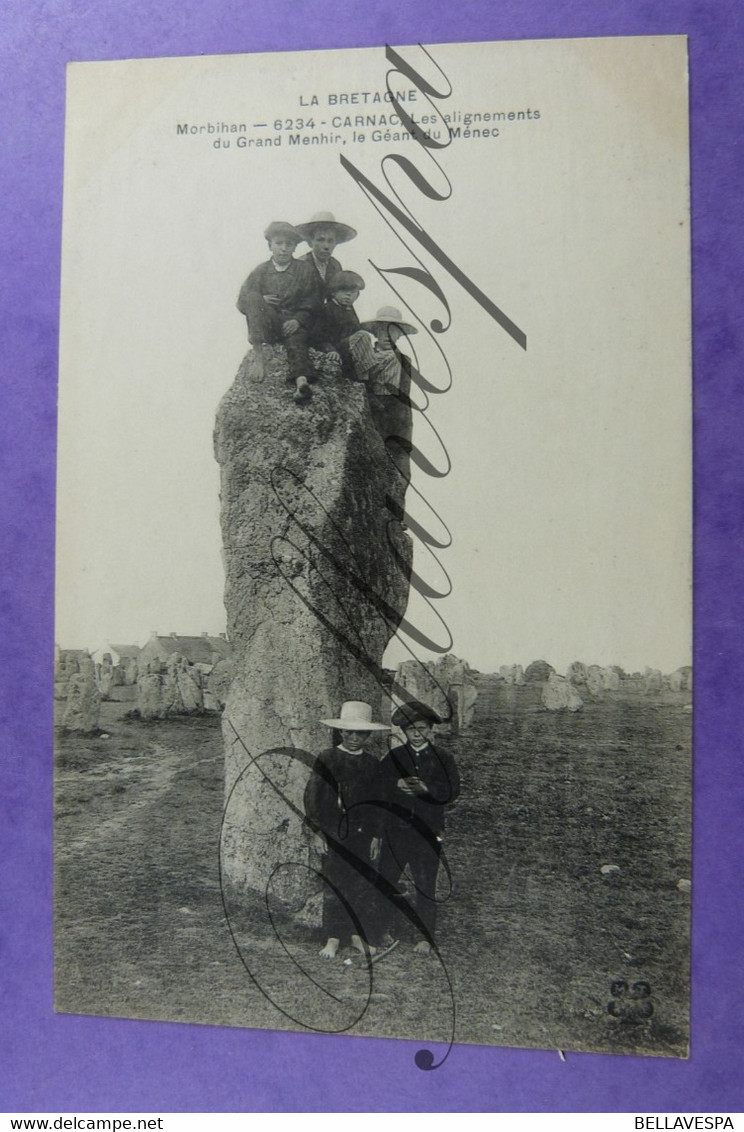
(423, 948)
(358, 945)
(330, 950)
(258, 361)
(303, 390)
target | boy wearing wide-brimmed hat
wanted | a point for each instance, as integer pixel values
(384, 362)
(377, 361)
(324, 233)
(344, 807)
(279, 300)
(421, 781)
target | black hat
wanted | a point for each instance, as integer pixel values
(345, 281)
(413, 712)
(282, 228)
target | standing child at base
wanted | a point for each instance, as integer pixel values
(344, 808)
(279, 300)
(422, 780)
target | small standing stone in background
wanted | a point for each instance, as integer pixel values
(83, 709)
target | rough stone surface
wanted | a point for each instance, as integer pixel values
(455, 676)
(595, 680)
(317, 576)
(188, 681)
(610, 679)
(538, 671)
(218, 683)
(171, 689)
(66, 665)
(560, 695)
(156, 695)
(83, 709)
(415, 681)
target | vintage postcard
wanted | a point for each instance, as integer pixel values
(373, 680)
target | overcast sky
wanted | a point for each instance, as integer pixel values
(568, 498)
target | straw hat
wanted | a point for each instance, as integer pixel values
(355, 716)
(389, 314)
(344, 232)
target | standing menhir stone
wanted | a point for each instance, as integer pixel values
(157, 691)
(188, 683)
(680, 680)
(610, 679)
(594, 680)
(576, 673)
(652, 681)
(155, 695)
(311, 550)
(171, 689)
(417, 680)
(218, 682)
(559, 694)
(538, 672)
(106, 676)
(83, 710)
(454, 676)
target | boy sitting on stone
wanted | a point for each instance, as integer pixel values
(279, 300)
(336, 326)
(383, 365)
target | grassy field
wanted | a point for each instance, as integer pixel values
(542, 944)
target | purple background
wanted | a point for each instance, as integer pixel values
(62, 1063)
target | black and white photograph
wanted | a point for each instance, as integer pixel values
(373, 683)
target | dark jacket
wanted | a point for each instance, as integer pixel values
(332, 269)
(298, 288)
(345, 788)
(437, 770)
(332, 326)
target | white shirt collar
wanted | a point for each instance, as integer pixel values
(322, 267)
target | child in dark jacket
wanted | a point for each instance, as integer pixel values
(337, 323)
(421, 781)
(279, 300)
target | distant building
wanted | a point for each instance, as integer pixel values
(203, 652)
